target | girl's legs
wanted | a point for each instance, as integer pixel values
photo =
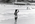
(15, 20)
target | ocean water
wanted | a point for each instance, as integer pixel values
(24, 16)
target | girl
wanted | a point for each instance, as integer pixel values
(16, 11)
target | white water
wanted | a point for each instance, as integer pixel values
(24, 16)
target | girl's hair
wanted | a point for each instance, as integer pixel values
(16, 10)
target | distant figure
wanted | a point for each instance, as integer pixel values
(27, 8)
(16, 11)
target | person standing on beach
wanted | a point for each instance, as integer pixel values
(16, 11)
